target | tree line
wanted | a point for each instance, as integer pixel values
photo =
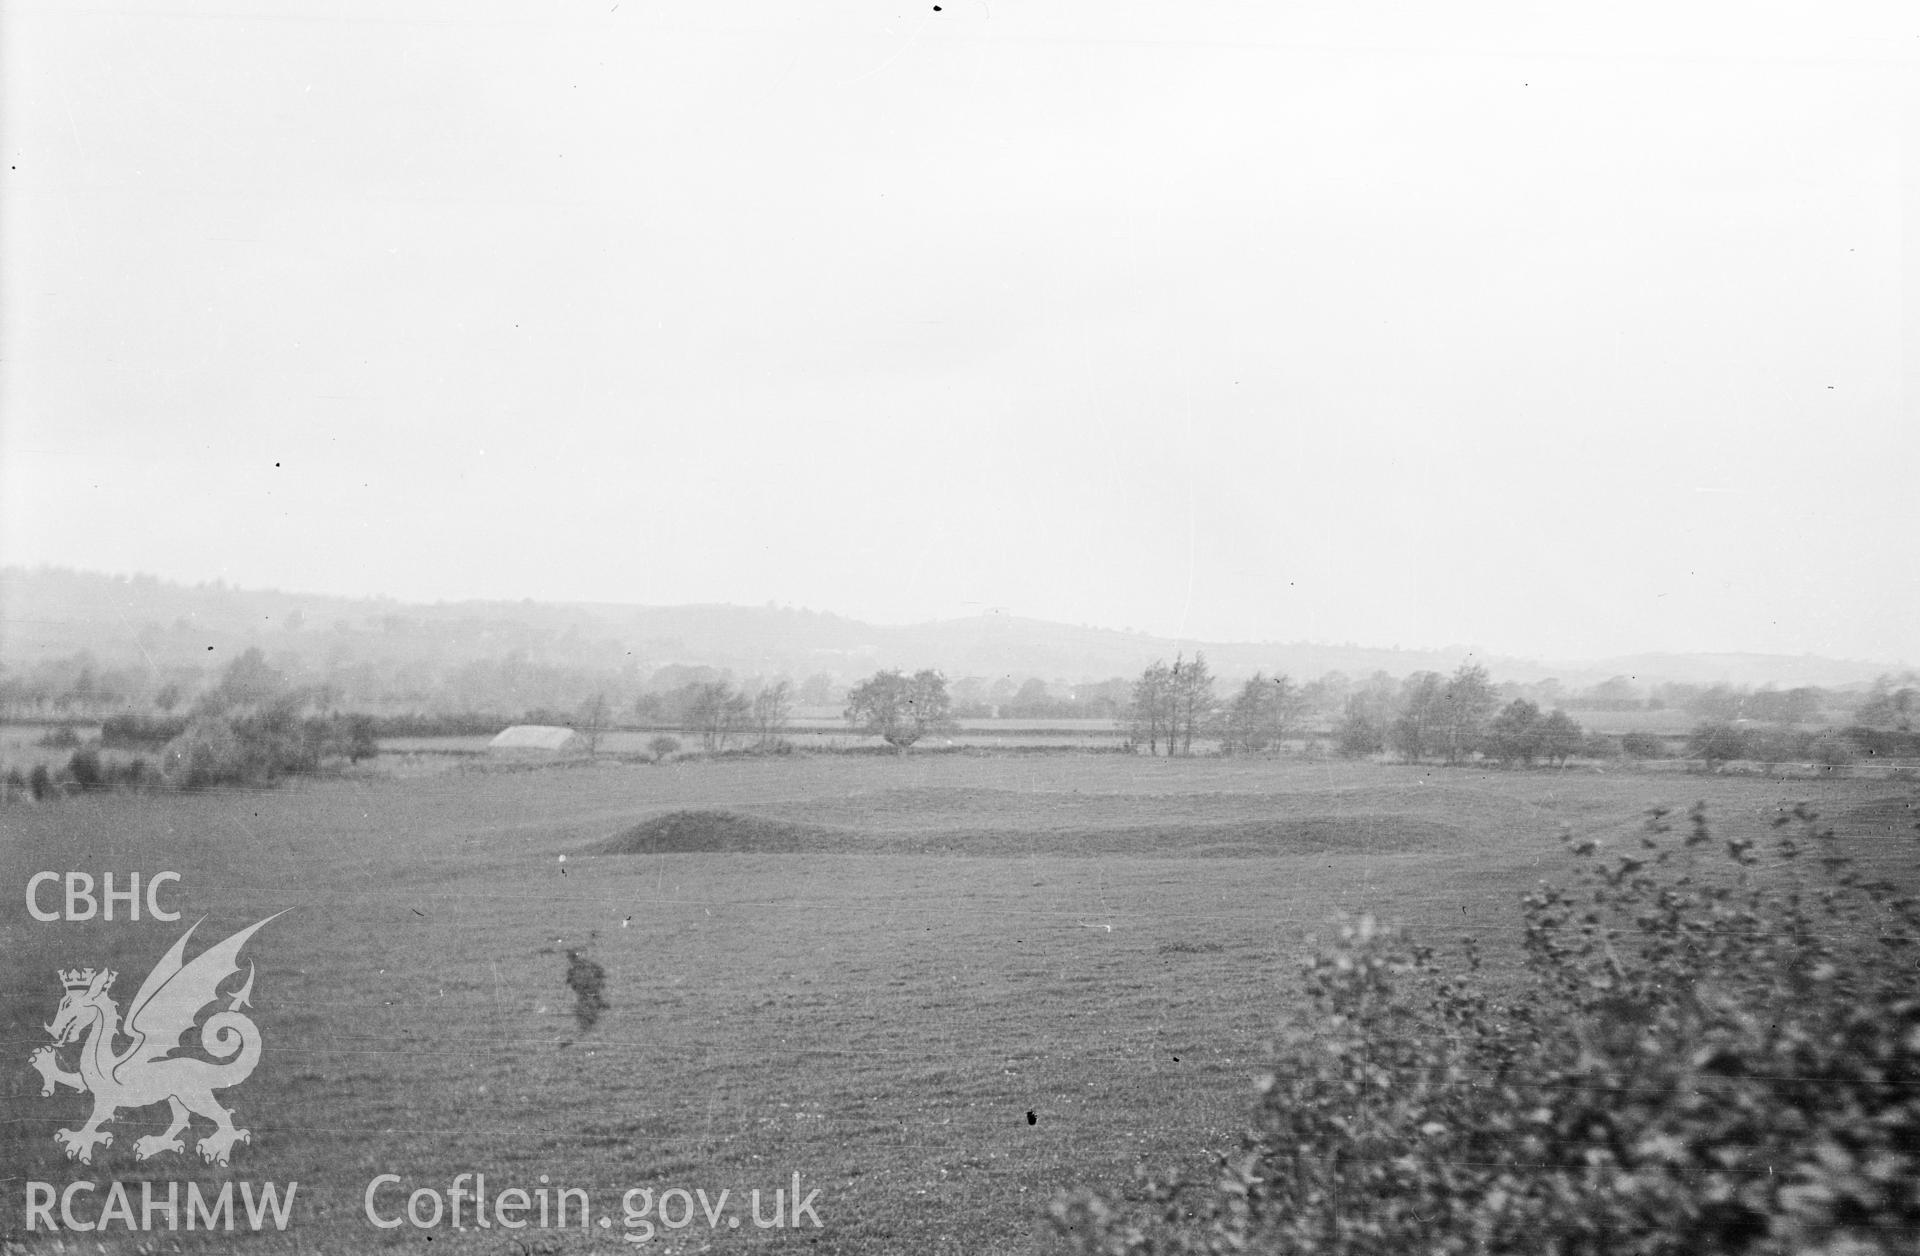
(79, 687)
(254, 724)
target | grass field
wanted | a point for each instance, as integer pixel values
(938, 988)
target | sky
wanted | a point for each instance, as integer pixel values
(1558, 331)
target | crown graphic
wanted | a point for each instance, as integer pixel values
(78, 978)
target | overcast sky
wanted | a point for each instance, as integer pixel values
(1559, 330)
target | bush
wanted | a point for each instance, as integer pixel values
(1773, 744)
(1714, 744)
(206, 753)
(1560, 737)
(1700, 1059)
(358, 738)
(1602, 746)
(39, 782)
(1831, 751)
(141, 731)
(61, 738)
(260, 748)
(663, 747)
(1356, 736)
(1883, 743)
(1643, 746)
(83, 769)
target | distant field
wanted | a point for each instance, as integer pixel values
(871, 973)
(1068, 734)
(1666, 723)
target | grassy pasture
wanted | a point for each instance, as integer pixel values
(879, 971)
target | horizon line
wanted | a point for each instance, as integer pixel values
(1470, 651)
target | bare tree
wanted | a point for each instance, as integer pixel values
(717, 714)
(772, 707)
(1192, 699)
(591, 722)
(1151, 714)
(1263, 713)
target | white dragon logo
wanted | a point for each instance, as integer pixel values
(146, 1072)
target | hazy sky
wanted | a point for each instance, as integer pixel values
(1561, 330)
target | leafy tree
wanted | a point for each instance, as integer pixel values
(1362, 728)
(1467, 701)
(1693, 1059)
(1515, 734)
(901, 709)
(1643, 746)
(1717, 704)
(1772, 746)
(247, 682)
(970, 698)
(1415, 731)
(1890, 705)
(1617, 693)
(1785, 706)
(1031, 700)
(84, 768)
(1560, 738)
(1244, 729)
(1715, 743)
(663, 746)
(1106, 699)
(361, 739)
(1366, 714)
(1326, 698)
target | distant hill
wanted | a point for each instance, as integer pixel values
(146, 624)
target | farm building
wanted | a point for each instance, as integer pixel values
(537, 741)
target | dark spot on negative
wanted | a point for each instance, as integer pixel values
(1031, 1118)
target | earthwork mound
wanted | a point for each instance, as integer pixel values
(730, 832)
(718, 832)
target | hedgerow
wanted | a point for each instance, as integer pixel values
(1704, 1055)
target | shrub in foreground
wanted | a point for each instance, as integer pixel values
(1706, 1055)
